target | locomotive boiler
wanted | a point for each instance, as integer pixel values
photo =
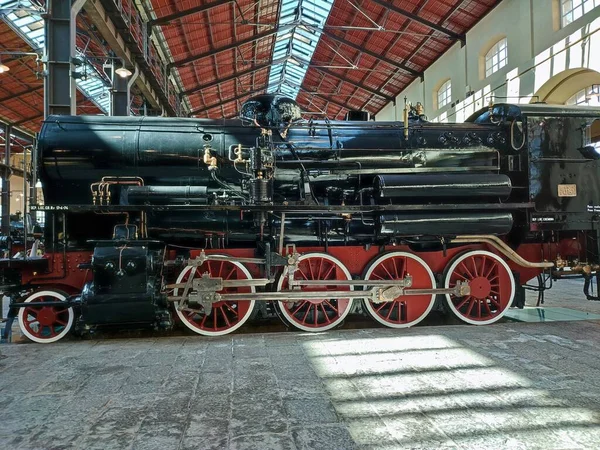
(152, 221)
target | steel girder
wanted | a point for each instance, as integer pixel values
(415, 17)
(186, 12)
(57, 83)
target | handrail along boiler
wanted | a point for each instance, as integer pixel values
(150, 219)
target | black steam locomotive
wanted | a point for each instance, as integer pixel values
(154, 220)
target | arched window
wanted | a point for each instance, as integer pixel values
(588, 96)
(444, 94)
(571, 10)
(496, 58)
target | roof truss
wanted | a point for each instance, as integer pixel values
(186, 12)
(415, 17)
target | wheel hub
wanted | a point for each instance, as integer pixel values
(46, 316)
(480, 287)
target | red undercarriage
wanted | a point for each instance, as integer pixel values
(71, 279)
(488, 274)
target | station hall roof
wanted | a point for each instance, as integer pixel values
(331, 55)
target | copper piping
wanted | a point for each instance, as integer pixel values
(103, 191)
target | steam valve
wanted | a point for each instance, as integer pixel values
(209, 159)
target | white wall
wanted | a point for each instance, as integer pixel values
(543, 59)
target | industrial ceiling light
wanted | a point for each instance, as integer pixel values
(3, 67)
(122, 71)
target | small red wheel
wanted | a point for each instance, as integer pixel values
(408, 310)
(226, 316)
(316, 315)
(492, 287)
(45, 324)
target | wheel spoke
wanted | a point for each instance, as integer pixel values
(494, 301)
(391, 310)
(467, 270)
(303, 274)
(233, 270)
(331, 269)
(331, 306)
(233, 310)
(381, 306)
(306, 313)
(471, 303)
(312, 274)
(302, 303)
(487, 307)
(326, 316)
(461, 304)
(391, 277)
(225, 316)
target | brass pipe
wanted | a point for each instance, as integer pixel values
(500, 245)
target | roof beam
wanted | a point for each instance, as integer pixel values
(327, 99)
(18, 94)
(357, 84)
(221, 103)
(18, 132)
(253, 38)
(401, 66)
(27, 119)
(186, 12)
(233, 76)
(434, 26)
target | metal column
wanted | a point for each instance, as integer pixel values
(6, 184)
(57, 83)
(118, 104)
(77, 5)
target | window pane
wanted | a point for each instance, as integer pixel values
(444, 94)
(574, 9)
(496, 58)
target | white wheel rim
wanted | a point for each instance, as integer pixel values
(449, 302)
(22, 323)
(231, 329)
(291, 319)
(369, 306)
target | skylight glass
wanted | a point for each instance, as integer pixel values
(25, 18)
(301, 22)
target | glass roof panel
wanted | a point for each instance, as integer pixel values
(296, 46)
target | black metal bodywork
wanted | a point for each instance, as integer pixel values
(126, 284)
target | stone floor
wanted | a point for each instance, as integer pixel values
(509, 385)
